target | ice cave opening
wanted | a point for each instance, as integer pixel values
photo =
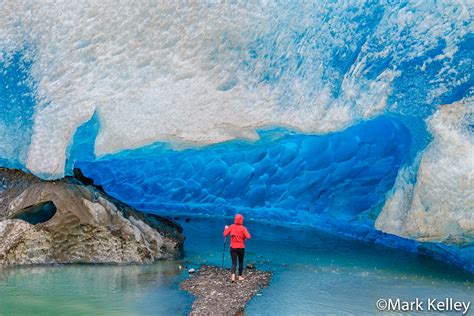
(284, 177)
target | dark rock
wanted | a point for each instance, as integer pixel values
(65, 221)
(36, 214)
(217, 295)
(250, 266)
(78, 175)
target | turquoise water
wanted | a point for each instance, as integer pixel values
(93, 290)
(315, 273)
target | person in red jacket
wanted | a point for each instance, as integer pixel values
(238, 234)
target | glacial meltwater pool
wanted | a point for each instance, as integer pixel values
(315, 273)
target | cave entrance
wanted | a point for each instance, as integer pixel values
(38, 213)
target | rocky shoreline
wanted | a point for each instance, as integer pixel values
(216, 295)
(72, 221)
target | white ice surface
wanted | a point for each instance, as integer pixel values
(439, 206)
(182, 71)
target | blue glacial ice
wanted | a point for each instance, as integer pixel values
(283, 177)
(17, 101)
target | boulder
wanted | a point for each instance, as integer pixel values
(66, 221)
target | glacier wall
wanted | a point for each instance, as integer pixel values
(208, 72)
(97, 83)
(437, 202)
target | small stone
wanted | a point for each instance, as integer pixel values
(192, 270)
(250, 266)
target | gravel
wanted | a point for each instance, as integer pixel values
(215, 293)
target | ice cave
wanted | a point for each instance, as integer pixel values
(352, 118)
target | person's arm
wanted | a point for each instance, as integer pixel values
(247, 234)
(226, 231)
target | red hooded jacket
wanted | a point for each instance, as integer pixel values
(238, 233)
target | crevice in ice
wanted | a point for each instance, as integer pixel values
(82, 144)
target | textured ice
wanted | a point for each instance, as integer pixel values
(284, 177)
(439, 205)
(209, 72)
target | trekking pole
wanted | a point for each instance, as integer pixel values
(223, 252)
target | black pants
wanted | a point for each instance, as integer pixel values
(234, 253)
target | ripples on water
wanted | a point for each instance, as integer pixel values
(315, 273)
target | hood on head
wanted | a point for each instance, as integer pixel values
(239, 219)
